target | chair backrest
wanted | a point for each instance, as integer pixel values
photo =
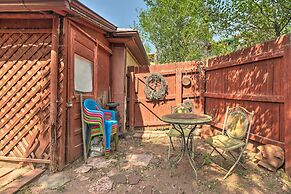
(90, 104)
(180, 109)
(238, 122)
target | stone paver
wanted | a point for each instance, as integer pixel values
(133, 179)
(119, 179)
(98, 163)
(53, 181)
(83, 169)
(147, 189)
(139, 159)
(112, 172)
(103, 185)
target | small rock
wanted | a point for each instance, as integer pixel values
(119, 179)
(155, 160)
(147, 189)
(285, 188)
(113, 160)
(83, 178)
(83, 169)
(133, 179)
(157, 192)
(103, 185)
(112, 172)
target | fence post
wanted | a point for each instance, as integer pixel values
(287, 108)
(54, 92)
(179, 94)
(131, 98)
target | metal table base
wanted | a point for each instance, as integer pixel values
(187, 146)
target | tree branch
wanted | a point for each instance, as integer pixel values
(283, 5)
(285, 24)
(262, 11)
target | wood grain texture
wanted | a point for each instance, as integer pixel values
(24, 92)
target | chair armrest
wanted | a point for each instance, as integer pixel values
(86, 111)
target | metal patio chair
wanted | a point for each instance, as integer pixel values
(235, 134)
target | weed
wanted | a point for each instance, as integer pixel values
(270, 183)
(206, 159)
(61, 188)
(212, 185)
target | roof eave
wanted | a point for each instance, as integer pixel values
(80, 9)
(133, 42)
(61, 7)
(32, 5)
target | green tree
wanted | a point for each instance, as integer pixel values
(176, 28)
(192, 29)
(249, 21)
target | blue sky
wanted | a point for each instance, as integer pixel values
(121, 13)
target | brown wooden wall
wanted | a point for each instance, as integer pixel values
(25, 89)
(146, 113)
(82, 41)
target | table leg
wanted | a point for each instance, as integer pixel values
(190, 152)
(178, 158)
(186, 143)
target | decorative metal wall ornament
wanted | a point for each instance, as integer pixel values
(186, 80)
(156, 87)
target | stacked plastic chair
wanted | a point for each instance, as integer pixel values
(94, 120)
(100, 122)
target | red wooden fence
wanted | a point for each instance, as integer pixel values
(145, 113)
(257, 78)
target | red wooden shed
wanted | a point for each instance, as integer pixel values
(46, 48)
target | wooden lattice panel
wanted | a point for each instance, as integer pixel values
(24, 94)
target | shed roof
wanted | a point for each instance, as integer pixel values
(129, 37)
(62, 7)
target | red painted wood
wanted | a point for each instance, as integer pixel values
(287, 109)
(147, 113)
(257, 78)
(82, 44)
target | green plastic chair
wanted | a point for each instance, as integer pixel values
(234, 136)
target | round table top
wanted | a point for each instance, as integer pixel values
(112, 104)
(186, 118)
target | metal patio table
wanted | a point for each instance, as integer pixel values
(178, 120)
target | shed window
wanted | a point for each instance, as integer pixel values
(83, 70)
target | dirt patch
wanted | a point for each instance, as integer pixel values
(121, 175)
